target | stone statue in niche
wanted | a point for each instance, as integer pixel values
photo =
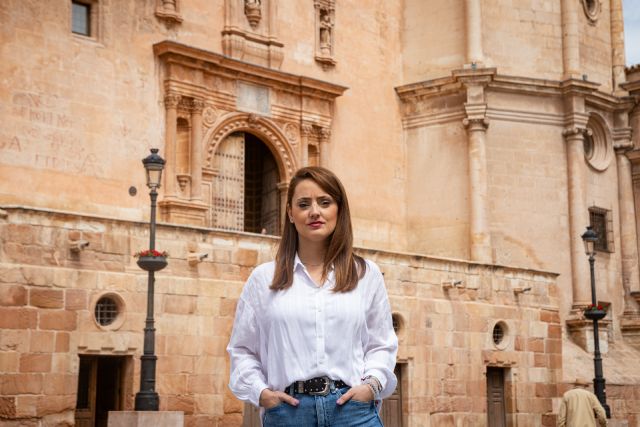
(253, 11)
(326, 26)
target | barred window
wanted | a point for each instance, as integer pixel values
(601, 222)
(106, 311)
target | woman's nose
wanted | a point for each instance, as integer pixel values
(315, 209)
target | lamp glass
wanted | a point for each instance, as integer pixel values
(153, 177)
(589, 239)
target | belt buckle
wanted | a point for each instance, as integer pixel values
(325, 390)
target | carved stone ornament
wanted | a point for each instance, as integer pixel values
(592, 9)
(172, 100)
(291, 132)
(168, 11)
(253, 11)
(209, 115)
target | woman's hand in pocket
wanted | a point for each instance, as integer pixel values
(270, 399)
(361, 393)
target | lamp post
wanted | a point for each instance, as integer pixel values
(147, 399)
(590, 238)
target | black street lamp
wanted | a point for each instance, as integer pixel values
(595, 313)
(147, 399)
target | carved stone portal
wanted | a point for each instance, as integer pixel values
(212, 99)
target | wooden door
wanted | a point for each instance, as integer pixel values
(496, 408)
(100, 382)
(228, 184)
(86, 402)
(391, 413)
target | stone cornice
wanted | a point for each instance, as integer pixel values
(215, 63)
(418, 92)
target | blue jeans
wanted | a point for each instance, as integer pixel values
(322, 411)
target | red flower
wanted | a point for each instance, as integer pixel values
(151, 253)
(594, 307)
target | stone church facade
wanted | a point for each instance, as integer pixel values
(476, 140)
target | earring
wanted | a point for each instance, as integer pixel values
(291, 220)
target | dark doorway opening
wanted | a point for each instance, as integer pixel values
(261, 201)
(101, 382)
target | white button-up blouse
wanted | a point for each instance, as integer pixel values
(307, 331)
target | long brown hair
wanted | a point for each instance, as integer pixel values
(348, 267)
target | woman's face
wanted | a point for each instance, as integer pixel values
(313, 211)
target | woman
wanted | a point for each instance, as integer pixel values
(313, 341)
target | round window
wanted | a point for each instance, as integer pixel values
(591, 9)
(598, 151)
(108, 311)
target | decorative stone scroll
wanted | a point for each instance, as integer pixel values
(325, 18)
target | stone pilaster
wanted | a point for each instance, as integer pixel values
(578, 215)
(480, 237)
(473, 17)
(570, 39)
(196, 149)
(171, 101)
(324, 135)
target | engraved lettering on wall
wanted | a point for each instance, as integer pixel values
(42, 134)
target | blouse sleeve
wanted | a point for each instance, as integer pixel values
(381, 346)
(246, 377)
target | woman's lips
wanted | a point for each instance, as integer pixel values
(315, 224)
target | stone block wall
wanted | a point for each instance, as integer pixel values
(447, 310)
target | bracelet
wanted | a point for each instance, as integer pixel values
(374, 384)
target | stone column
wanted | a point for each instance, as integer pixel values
(570, 39)
(305, 132)
(283, 189)
(196, 149)
(628, 236)
(171, 101)
(578, 215)
(480, 237)
(323, 150)
(617, 44)
(473, 17)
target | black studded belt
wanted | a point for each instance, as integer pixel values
(320, 386)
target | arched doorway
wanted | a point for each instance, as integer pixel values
(245, 187)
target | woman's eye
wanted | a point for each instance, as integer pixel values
(303, 205)
(325, 203)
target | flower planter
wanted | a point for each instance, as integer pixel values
(152, 263)
(595, 314)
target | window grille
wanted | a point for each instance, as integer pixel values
(106, 311)
(601, 222)
(498, 333)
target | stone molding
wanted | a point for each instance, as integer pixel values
(262, 127)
